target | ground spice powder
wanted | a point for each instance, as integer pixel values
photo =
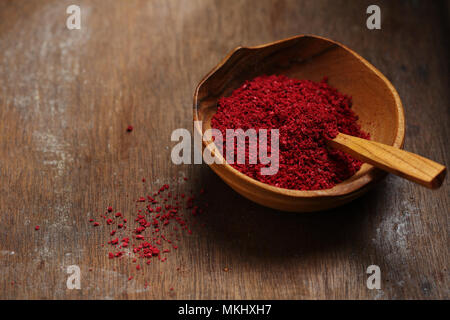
(155, 229)
(306, 113)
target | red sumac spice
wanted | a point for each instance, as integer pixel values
(306, 113)
(158, 224)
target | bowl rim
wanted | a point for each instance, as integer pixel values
(372, 173)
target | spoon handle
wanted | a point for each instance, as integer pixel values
(399, 162)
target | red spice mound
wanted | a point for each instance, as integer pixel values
(306, 113)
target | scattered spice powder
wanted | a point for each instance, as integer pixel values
(156, 227)
(306, 113)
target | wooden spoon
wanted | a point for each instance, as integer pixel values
(399, 162)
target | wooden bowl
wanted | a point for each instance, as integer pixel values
(375, 101)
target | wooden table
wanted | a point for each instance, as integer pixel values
(67, 96)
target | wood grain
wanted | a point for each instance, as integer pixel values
(66, 98)
(400, 162)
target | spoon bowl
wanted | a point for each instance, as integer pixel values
(375, 101)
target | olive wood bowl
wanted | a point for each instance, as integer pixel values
(375, 101)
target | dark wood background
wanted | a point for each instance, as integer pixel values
(66, 98)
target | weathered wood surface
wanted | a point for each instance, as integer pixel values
(67, 96)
